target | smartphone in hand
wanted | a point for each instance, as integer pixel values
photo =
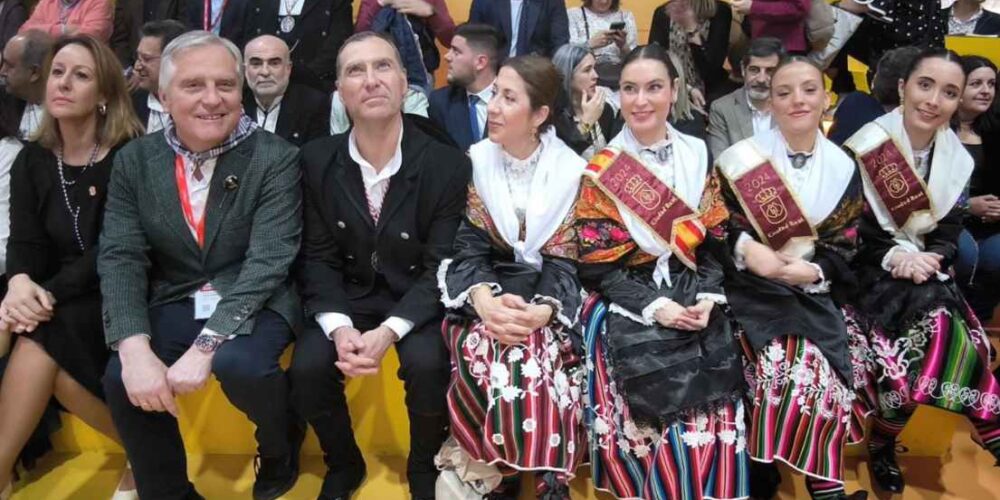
(619, 26)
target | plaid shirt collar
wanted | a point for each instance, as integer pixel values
(244, 128)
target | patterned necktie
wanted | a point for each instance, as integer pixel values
(477, 131)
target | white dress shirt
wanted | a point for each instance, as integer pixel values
(30, 121)
(158, 118)
(296, 7)
(376, 185)
(516, 6)
(481, 107)
(761, 119)
(9, 148)
(268, 120)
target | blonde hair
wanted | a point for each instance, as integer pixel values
(681, 110)
(119, 123)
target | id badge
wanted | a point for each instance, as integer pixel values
(205, 301)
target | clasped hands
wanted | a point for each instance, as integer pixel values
(508, 318)
(361, 353)
(26, 305)
(691, 318)
(916, 266)
(766, 263)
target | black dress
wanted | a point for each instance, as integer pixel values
(43, 245)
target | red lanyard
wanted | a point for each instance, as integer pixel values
(199, 225)
(207, 23)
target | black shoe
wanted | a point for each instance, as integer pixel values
(277, 475)
(552, 488)
(342, 484)
(884, 469)
(764, 480)
(857, 495)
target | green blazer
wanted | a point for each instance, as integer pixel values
(148, 256)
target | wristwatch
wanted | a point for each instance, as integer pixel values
(208, 343)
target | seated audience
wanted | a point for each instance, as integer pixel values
(697, 31)
(413, 25)
(58, 190)
(609, 31)
(146, 98)
(582, 116)
(473, 59)
(513, 292)
(529, 26)
(968, 17)
(201, 226)
(315, 28)
(746, 111)
(23, 73)
(295, 112)
(977, 267)
(382, 205)
(927, 348)
(71, 17)
(857, 109)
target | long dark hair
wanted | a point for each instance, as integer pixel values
(969, 64)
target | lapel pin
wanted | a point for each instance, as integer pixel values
(92, 191)
(231, 182)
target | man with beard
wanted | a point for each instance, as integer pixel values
(472, 67)
(746, 111)
(294, 112)
(146, 99)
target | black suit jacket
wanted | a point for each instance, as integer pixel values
(304, 113)
(449, 108)
(232, 23)
(140, 103)
(319, 32)
(544, 24)
(416, 230)
(988, 24)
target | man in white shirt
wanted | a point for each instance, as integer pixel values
(295, 112)
(382, 207)
(146, 99)
(22, 73)
(460, 108)
(747, 110)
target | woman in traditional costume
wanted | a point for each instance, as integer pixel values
(664, 409)
(794, 199)
(927, 345)
(513, 294)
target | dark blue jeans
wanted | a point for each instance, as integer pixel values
(977, 270)
(246, 366)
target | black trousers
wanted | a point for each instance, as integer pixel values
(246, 366)
(318, 396)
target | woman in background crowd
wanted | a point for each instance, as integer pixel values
(697, 32)
(72, 17)
(584, 118)
(977, 267)
(609, 31)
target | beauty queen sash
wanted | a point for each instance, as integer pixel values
(628, 182)
(902, 195)
(767, 201)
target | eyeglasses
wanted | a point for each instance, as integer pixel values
(144, 59)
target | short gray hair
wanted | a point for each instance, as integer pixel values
(190, 40)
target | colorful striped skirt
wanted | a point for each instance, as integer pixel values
(515, 406)
(803, 411)
(942, 360)
(703, 456)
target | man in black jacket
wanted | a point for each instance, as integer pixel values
(156, 35)
(295, 112)
(382, 205)
(315, 29)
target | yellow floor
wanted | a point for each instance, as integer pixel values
(966, 473)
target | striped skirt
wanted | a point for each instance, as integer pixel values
(943, 361)
(515, 406)
(702, 456)
(803, 412)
